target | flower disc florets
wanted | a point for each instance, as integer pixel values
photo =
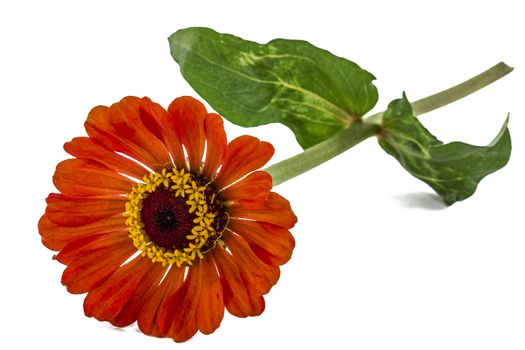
(175, 216)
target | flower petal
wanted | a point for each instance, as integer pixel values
(55, 237)
(178, 318)
(250, 192)
(238, 301)
(120, 128)
(91, 270)
(276, 211)
(147, 286)
(155, 307)
(258, 277)
(187, 117)
(155, 118)
(210, 309)
(83, 177)
(272, 244)
(107, 300)
(216, 144)
(245, 154)
(90, 148)
(98, 127)
(86, 245)
(124, 116)
(71, 211)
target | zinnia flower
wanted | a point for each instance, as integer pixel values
(161, 221)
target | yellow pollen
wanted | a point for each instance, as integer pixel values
(182, 184)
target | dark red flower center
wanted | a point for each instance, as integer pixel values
(166, 219)
(174, 216)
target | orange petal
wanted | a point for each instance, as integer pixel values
(98, 127)
(89, 271)
(210, 309)
(155, 307)
(55, 237)
(237, 299)
(107, 300)
(87, 245)
(89, 148)
(147, 286)
(258, 277)
(187, 117)
(178, 319)
(124, 116)
(70, 211)
(272, 244)
(120, 128)
(83, 177)
(153, 117)
(276, 211)
(216, 144)
(244, 155)
(250, 192)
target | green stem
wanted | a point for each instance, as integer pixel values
(360, 131)
(320, 153)
(454, 93)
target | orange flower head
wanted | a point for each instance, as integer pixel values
(162, 222)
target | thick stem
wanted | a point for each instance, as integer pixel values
(320, 153)
(454, 93)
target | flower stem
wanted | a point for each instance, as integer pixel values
(320, 153)
(454, 93)
(360, 131)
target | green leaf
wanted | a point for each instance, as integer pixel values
(313, 92)
(453, 170)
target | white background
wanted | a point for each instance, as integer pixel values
(379, 263)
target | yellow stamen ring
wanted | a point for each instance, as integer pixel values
(200, 201)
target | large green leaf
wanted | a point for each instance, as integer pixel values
(453, 170)
(313, 92)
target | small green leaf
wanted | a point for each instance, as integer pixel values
(313, 92)
(453, 170)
